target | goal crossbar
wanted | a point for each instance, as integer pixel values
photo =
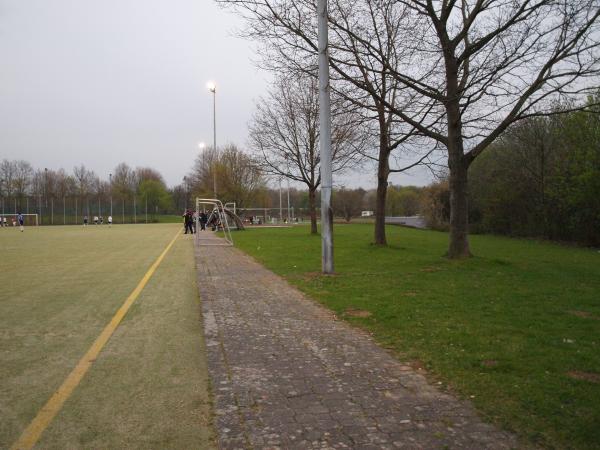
(218, 210)
(10, 217)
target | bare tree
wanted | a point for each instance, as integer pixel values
(7, 177)
(470, 68)
(487, 64)
(239, 178)
(348, 203)
(84, 180)
(23, 172)
(288, 29)
(147, 173)
(284, 135)
(123, 181)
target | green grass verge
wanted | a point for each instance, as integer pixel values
(516, 329)
(60, 287)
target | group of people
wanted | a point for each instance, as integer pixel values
(98, 220)
(19, 218)
(189, 220)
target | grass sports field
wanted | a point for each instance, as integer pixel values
(515, 329)
(60, 287)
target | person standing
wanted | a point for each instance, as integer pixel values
(203, 220)
(85, 221)
(21, 221)
(109, 221)
(187, 220)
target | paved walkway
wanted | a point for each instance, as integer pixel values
(287, 374)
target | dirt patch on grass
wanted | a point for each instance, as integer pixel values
(311, 276)
(430, 269)
(409, 294)
(584, 315)
(489, 363)
(417, 365)
(585, 376)
(358, 313)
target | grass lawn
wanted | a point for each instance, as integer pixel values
(60, 287)
(516, 329)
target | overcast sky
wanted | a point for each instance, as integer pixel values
(104, 82)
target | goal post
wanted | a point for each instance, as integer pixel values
(28, 219)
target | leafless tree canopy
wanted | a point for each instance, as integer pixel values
(284, 132)
(463, 70)
(239, 179)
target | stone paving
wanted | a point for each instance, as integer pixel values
(286, 374)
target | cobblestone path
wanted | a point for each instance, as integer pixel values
(286, 374)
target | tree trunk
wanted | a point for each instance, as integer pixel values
(383, 171)
(459, 210)
(458, 165)
(380, 200)
(313, 209)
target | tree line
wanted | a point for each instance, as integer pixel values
(28, 190)
(541, 178)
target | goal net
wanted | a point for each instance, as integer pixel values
(28, 220)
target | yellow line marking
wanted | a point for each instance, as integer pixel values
(34, 430)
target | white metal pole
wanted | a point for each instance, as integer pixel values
(110, 177)
(325, 137)
(280, 207)
(289, 219)
(214, 92)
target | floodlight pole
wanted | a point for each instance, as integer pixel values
(289, 219)
(280, 204)
(213, 88)
(110, 188)
(325, 137)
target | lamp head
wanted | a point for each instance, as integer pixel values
(212, 87)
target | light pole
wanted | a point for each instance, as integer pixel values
(110, 191)
(212, 87)
(2, 194)
(289, 219)
(280, 204)
(45, 191)
(201, 147)
(325, 137)
(185, 187)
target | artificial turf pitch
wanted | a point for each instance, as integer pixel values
(60, 286)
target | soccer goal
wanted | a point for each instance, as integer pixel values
(217, 218)
(28, 220)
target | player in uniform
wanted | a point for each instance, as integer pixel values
(21, 220)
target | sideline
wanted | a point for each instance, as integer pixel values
(34, 430)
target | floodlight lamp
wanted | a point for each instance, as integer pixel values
(212, 87)
(201, 145)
